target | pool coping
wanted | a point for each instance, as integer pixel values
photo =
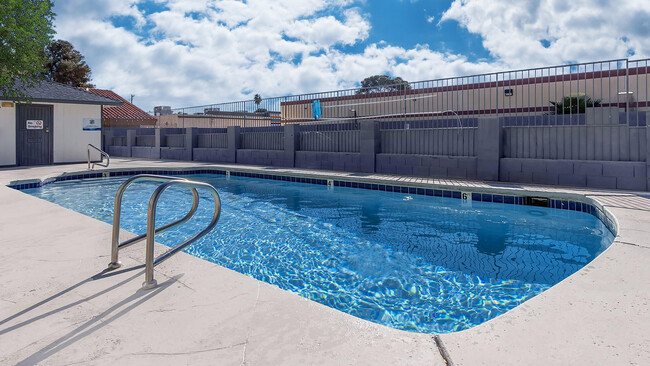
(478, 345)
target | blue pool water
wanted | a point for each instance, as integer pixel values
(418, 263)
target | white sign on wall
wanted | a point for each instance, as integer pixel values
(34, 124)
(92, 124)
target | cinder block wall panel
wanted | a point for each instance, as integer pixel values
(123, 151)
(145, 152)
(594, 174)
(328, 160)
(213, 155)
(262, 157)
(427, 166)
(172, 153)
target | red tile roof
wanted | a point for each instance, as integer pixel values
(124, 111)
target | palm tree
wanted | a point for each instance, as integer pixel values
(258, 99)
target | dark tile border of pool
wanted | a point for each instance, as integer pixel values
(561, 204)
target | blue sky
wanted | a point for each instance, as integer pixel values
(194, 52)
(407, 24)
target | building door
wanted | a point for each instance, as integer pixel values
(34, 142)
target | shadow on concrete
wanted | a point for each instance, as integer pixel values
(103, 274)
(97, 322)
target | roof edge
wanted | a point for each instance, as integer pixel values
(112, 102)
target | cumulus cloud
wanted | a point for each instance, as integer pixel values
(543, 32)
(193, 52)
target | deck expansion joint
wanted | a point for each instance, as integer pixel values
(443, 350)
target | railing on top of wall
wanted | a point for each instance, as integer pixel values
(175, 140)
(604, 142)
(262, 141)
(213, 140)
(546, 96)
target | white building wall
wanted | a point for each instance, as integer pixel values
(7, 136)
(70, 140)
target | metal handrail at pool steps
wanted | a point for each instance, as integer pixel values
(149, 235)
(103, 154)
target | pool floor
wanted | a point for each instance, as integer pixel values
(416, 263)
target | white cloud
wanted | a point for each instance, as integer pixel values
(207, 51)
(577, 30)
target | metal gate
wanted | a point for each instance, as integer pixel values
(34, 142)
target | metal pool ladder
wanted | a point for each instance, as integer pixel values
(166, 182)
(103, 154)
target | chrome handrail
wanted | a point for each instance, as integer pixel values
(102, 153)
(117, 212)
(151, 221)
(150, 282)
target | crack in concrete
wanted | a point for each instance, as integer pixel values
(443, 350)
(188, 352)
(631, 244)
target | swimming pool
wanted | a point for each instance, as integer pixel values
(412, 262)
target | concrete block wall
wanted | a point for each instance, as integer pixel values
(576, 173)
(124, 151)
(647, 160)
(213, 155)
(146, 152)
(488, 163)
(263, 157)
(349, 162)
(489, 150)
(176, 153)
(428, 166)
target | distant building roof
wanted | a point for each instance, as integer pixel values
(124, 111)
(52, 92)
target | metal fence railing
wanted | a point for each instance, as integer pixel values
(604, 102)
(175, 140)
(212, 140)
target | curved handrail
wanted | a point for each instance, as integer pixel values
(151, 226)
(117, 211)
(101, 162)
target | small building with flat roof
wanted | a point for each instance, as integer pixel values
(53, 123)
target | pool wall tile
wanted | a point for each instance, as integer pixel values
(482, 197)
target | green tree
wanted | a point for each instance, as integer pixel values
(382, 83)
(66, 65)
(25, 31)
(258, 99)
(574, 104)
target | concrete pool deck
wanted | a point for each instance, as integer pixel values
(58, 306)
